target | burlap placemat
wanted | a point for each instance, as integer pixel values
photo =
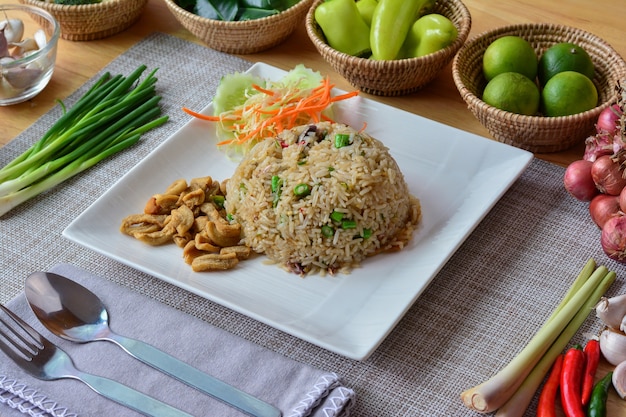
(481, 308)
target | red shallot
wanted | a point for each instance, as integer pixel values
(613, 238)
(598, 145)
(608, 120)
(579, 182)
(603, 207)
(607, 175)
(622, 200)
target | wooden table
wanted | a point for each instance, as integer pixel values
(79, 61)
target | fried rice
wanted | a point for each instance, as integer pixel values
(321, 198)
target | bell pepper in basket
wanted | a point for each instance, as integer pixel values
(344, 28)
(429, 34)
(391, 22)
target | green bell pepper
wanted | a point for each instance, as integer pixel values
(366, 8)
(391, 22)
(428, 34)
(344, 28)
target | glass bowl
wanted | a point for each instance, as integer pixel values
(29, 66)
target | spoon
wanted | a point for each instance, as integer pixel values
(74, 313)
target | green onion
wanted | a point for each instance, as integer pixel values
(348, 224)
(328, 231)
(218, 200)
(111, 116)
(276, 185)
(302, 190)
(336, 216)
(367, 233)
(341, 140)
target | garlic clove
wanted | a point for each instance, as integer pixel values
(613, 346)
(6, 89)
(24, 46)
(40, 38)
(13, 30)
(619, 380)
(4, 45)
(612, 310)
(22, 77)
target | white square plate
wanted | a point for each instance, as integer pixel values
(457, 176)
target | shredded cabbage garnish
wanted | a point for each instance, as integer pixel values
(300, 97)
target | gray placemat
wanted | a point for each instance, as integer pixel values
(296, 389)
(481, 308)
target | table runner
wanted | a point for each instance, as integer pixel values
(481, 308)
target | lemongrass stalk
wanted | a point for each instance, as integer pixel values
(493, 393)
(582, 277)
(519, 402)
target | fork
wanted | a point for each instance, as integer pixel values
(46, 361)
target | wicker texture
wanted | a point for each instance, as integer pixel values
(537, 133)
(88, 22)
(393, 77)
(242, 37)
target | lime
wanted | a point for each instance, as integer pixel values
(568, 92)
(513, 92)
(510, 54)
(561, 57)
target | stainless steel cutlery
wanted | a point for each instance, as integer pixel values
(44, 360)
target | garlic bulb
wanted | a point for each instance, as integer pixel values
(612, 311)
(619, 380)
(613, 346)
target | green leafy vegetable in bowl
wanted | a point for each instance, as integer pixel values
(235, 10)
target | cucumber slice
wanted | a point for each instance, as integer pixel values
(233, 90)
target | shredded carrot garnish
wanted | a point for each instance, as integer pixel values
(263, 90)
(201, 116)
(276, 108)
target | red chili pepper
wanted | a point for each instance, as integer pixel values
(547, 398)
(571, 382)
(592, 358)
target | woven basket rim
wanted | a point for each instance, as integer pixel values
(462, 36)
(472, 98)
(238, 24)
(79, 8)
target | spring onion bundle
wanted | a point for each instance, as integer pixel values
(111, 116)
(512, 388)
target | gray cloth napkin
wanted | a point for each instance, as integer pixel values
(297, 389)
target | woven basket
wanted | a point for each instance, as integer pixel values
(393, 77)
(537, 133)
(243, 37)
(88, 22)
